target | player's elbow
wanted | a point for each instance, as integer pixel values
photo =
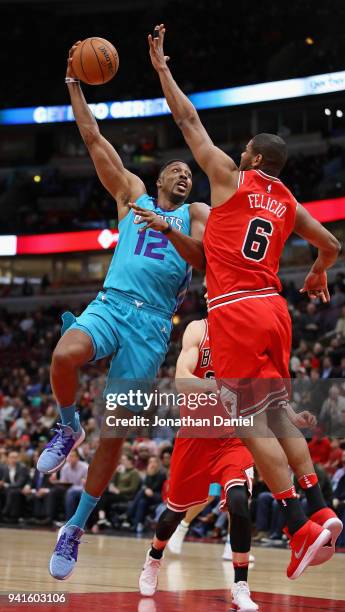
(91, 136)
(334, 245)
(202, 264)
(199, 261)
(188, 121)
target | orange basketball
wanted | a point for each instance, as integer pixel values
(95, 61)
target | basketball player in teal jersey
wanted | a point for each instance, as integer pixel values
(131, 318)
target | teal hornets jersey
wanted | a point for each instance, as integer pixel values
(145, 265)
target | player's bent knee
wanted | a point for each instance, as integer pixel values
(237, 501)
(72, 354)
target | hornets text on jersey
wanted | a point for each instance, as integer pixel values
(145, 265)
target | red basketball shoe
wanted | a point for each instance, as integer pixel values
(305, 545)
(328, 519)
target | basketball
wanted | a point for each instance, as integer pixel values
(95, 61)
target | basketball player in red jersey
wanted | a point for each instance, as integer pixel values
(252, 215)
(198, 462)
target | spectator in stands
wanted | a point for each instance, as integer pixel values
(23, 424)
(66, 491)
(120, 492)
(149, 495)
(340, 326)
(13, 477)
(310, 322)
(49, 417)
(165, 457)
(339, 372)
(7, 413)
(327, 368)
(337, 297)
(320, 447)
(332, 415)
(141, 459)
(74, 472)
(335, 457)
(37, 500)
(269, 520)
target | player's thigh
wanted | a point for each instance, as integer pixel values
(142, 349)
(234, 466)
(189, 475)
(97, 322)
(238, 341)
(281, 336)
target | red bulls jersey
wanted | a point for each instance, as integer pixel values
(204, 367)
(245, 237)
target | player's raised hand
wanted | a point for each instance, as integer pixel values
(315, 285)
(69, 71)
(156, 42)
(149, 217)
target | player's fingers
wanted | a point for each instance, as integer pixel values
(303, 290)
(327, 294)
(143, 219)
(136, 208)
(75, 46)
(143, 229)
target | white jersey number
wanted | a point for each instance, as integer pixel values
(256, 241)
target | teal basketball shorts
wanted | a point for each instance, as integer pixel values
(134, 333)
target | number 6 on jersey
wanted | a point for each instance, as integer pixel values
(256, 241)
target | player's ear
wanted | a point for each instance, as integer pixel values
(159, 183)
(257, 160)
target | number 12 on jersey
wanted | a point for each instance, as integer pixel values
(257, 240)
(152, 245)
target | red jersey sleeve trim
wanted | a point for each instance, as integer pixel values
(204, 336)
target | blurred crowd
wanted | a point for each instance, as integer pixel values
(138, 491)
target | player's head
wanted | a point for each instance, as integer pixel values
(265, 151)
(175, 181)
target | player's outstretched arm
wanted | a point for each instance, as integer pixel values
(219, 167)
(187, 361)
(328, 246)
(121, 184)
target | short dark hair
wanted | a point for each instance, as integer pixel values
(171, 161)
(273, 150)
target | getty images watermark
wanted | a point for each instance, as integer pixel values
(140, 401)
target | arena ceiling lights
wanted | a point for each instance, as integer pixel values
(232, 96)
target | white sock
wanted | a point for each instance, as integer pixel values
(184, 525)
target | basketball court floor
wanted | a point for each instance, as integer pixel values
(106, 577)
